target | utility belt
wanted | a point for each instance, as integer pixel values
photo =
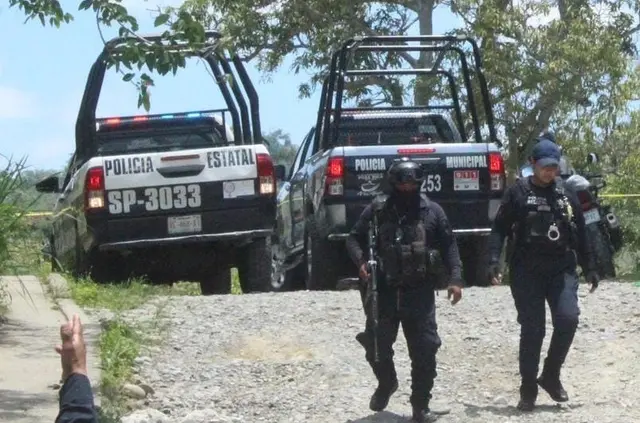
(553, 239)
(411, 265)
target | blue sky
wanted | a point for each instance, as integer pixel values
(43, 72)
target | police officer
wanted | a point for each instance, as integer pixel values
(565, 169)
(412, 232)
(546, 227)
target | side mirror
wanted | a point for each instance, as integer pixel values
(280, 172)
(50, 184)
(592, 158)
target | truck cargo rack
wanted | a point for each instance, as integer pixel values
(246, 121)
(332, 95)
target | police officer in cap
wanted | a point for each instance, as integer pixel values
(412, 233)
(546, 227)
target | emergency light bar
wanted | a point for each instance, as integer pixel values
(115, 121)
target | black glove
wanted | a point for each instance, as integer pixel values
(493, 271)
(593, 279)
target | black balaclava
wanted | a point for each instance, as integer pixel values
(406, 201)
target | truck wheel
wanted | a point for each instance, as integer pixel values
(107, 268)
(286, 281)
(216, 280)
(322, 264)
(475, 266)
(254, 264)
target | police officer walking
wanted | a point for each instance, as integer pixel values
(412, 233)
(546, 228)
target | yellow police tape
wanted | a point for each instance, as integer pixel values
(37, 214)
(619, 195)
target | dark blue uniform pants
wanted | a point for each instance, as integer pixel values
(555, 281)
(416, 311)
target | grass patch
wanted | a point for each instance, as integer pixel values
(236, 289)
(121, 342)
(119, 345)
(124, 296)
(134, 293)
(23, 257)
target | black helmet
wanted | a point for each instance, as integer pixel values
(404, 171)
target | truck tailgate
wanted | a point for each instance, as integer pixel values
(459, 177)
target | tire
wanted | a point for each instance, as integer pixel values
(615, 234)
(254, 264)
(107, 268)
(216, 280)
(289, 280)
(321, 262)
(613, 229)
(475, 261)
(602, 251)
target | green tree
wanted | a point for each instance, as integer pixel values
(540, 73)
(25, 195)
(282, 150)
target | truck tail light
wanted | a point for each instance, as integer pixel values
(334, 184)
(496, 171)
(585, 199)
(266, 174)
(94, 189)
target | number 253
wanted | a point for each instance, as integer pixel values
(432, 183)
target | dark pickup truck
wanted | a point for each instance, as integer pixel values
(175, 196)
(340, 167)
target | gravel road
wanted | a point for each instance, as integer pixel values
(292, 357)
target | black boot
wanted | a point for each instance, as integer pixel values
(528, 396)
(421, 415)
(550, 381)
(362, 339)
(382, 395)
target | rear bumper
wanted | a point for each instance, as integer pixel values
(227, 226)
(469, 218)
(189, 239)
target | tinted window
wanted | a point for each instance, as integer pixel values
(395, 130)
(297, 161)
(127, 142)
(310, 150)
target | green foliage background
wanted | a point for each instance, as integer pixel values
(568, 65)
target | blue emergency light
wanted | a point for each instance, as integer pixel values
(114, 121)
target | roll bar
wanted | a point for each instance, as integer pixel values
(246, 121)
(331, 102)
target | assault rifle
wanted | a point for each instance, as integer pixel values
(372, 287)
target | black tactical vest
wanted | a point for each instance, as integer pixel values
(546, 224)
(402, 248)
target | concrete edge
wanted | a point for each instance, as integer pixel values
(91, 328)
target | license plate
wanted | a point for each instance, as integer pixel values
(591, 216)
(241, 188)
(466, 180)
(184, 224)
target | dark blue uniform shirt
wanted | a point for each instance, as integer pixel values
(438, 233)
(76, 401)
